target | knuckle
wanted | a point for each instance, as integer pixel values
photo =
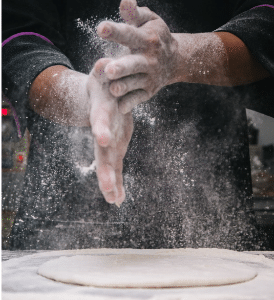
(120, 88)
(100, 64)
(152, 38)
(98, 69)
(155, 40)
(153, 64)
(104, 29)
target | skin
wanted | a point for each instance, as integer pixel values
(71, 98)
(159, 58)
(104, 98)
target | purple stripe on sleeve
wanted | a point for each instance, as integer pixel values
(25, 33)
(267, 5)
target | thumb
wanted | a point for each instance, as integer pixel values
(134, 15)
(103, 107)
(98, 70)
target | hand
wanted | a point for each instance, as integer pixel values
(71, 98)
(159, 58)
(137, 77)
(112, 131)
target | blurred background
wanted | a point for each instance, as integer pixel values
(261, 148)
(15, 148)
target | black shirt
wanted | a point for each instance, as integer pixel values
(187, 172)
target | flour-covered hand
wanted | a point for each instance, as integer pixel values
(112, 131)
(151, 64)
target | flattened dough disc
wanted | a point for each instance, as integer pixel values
(146, 271)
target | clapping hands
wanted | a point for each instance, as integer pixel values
(125, 82)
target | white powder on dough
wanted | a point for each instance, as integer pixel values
(191, 268)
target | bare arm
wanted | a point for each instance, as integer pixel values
(220, 58)
(60, 94)
(243, 68)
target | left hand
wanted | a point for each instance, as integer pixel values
(152, 62)
(112, 131)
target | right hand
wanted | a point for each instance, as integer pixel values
(152, 63)
(112, 132)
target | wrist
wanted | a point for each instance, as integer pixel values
(173, 75)
(201, 59)
(216, 59)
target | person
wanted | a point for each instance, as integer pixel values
(186, 170)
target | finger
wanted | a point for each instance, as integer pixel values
(130, 100)
(134, 15)
(109, 172)
(107, 178)
(127, 130)
(129, 127)
(128, 11)
(127, 65)
(103, 115)
(128, 84)
(123, 34)
(145, 15)
(103, 108)
(119, 182)
(98, 70)
(111, 197)
(105, 172)
(101, 127)
(121, 194)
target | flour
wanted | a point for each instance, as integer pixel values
(103, 47)
(86, 170)
(173, 197)
(148, 271)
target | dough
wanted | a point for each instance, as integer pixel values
(192, 268)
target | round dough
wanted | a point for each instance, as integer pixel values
(146, 271)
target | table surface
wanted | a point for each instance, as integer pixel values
(6, 254)
(21, 281)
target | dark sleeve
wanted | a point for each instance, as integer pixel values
(32, 41)
(253, 22)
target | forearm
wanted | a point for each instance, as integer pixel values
(215, 59)
(59, 94)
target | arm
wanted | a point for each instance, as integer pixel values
(59, 94)
(32, 42)
(161, 58)
(226, 61)
(72, 98)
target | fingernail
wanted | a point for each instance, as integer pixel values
(118, 204)
(106, 30)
